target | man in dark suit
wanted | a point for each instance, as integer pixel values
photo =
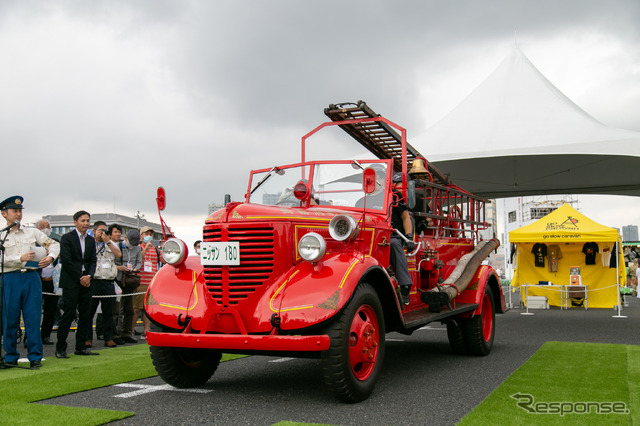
(78, 257)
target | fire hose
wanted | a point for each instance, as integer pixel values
(461, 276)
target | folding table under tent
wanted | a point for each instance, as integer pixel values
(563, 239)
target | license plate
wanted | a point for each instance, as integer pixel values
(220, 253)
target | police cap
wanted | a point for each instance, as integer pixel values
(14, 202)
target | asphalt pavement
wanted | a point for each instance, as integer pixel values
(422, 382)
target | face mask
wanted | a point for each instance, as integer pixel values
(146, 238)
(198, 251)
(128, 244)
(46, 231)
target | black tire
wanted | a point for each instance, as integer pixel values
(352, 364)
(457, 340)
(480, 330)
(185, 367)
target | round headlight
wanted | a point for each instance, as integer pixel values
(174, 251)
(312, 247)
(343, 228)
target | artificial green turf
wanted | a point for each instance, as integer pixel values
(577, 372)
(59, 377)
(567, 372)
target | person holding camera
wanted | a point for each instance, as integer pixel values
(102, 282)
(151, 261)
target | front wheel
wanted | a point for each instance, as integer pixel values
(352, 364)
(185, 367)
(480, 330)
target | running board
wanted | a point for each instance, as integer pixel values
(422, 316)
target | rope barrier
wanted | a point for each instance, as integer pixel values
(101, 296)
(551, 287)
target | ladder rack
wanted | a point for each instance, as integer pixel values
(378, 137)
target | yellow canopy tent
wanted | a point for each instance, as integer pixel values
(560, 240)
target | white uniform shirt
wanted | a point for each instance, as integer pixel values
(20, 241)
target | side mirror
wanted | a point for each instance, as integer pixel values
(368, 180)
(411, 194)
(160, 199)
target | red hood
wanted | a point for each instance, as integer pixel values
(235, 212)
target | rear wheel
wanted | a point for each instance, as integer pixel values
(185, 367)
(352, 364)
(480, 330)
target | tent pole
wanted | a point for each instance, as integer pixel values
(526, 293)
(619, 247)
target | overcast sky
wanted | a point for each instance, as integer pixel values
(101, 102)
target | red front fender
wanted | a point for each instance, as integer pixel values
(175, 293)
(314, 293)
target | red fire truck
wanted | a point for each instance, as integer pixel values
(301, 268)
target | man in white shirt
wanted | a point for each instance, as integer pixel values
(22, 289)
(78, 257)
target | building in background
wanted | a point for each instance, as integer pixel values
(214, 206)
(62, 224)
(491, 217)
(630, 233)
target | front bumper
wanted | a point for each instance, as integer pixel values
(241, 342)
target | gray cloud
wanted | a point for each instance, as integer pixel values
(105, 101)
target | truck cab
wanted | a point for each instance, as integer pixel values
(301, 267)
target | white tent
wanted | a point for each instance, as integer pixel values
(517, 134)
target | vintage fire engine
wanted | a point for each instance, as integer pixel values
(302, 267)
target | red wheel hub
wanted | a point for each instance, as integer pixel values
(364, 342)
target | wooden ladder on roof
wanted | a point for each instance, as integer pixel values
(378, 137)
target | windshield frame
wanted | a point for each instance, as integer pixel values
(309, 173)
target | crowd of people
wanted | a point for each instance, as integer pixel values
(98, 267)
(632, 259)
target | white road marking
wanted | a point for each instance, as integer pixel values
(142, 389)
(394, 340)
(281, 359)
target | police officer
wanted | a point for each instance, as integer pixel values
(22, 287)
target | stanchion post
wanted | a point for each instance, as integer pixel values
(510, 296)
(526, 294)
(619, 304)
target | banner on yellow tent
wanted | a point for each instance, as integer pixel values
(564, 224)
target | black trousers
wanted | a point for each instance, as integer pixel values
(49, 304)
(75, 298)
(103, 288)
(126, 311)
